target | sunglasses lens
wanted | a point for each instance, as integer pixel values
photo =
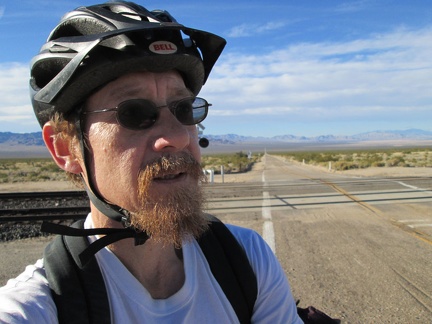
(191, 111)
(137, 114)
(142, 114)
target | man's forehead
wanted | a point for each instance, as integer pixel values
(139, 90)
(143, 85)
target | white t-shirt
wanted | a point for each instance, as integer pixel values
(27, 298)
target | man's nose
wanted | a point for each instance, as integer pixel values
(171, 135)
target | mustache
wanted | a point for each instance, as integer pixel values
(182, 162)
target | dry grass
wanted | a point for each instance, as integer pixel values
(44, 169)
(24, 170)
(232, 163)
(347, 160)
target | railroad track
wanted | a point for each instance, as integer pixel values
(42, 194)
(64, 205)
(37, 214)
(43, 206)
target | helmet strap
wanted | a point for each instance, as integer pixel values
(110, 210)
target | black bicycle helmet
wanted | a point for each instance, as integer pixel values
(94, 45)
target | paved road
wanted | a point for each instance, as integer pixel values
(360, 249)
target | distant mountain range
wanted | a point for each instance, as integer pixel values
(27, 139)
(35, 139)
(390, 135)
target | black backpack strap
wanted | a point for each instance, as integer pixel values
(231, 268)
(81, 297)
(79, 293)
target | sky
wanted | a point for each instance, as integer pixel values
(306, 68)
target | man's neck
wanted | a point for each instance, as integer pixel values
(155, 265)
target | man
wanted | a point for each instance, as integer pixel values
(114, 89)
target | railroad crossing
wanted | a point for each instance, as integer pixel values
(360, 249)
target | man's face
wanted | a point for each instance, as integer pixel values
(153, 173)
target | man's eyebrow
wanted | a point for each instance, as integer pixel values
(125, 91)
(128, 91)
(183, 92)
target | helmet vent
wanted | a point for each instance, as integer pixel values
(128, 11)
(78, 26)
(46, 70)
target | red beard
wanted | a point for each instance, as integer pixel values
(175, 215)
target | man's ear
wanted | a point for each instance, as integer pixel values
(60, 149)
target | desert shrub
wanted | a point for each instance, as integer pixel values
(418, 157)
(50, 167)
(3, 177)
(344, 165)
(237, 162)
(379, 164)
(396, 161)
(22, 170)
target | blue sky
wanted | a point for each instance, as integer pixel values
(310, 67)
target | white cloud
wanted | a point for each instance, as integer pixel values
(387, 76)
(355, 5)
(15, 106)
(247, 30)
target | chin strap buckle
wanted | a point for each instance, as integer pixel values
(109, 236)
(140, 237)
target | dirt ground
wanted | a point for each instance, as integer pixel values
(382, 172)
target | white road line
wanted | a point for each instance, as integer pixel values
(268, 230)
(266, 205)
(413, 187)
(412, 220)
(269, 236)
(420, 225)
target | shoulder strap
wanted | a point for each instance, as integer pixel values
(79, 293)
(231, 268)
(81, 297)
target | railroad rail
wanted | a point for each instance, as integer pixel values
(42, 194)
(43, 206)
(65, 205)
(38, 214)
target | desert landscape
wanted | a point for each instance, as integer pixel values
(62, 184)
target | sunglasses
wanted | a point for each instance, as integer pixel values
(138, 114)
